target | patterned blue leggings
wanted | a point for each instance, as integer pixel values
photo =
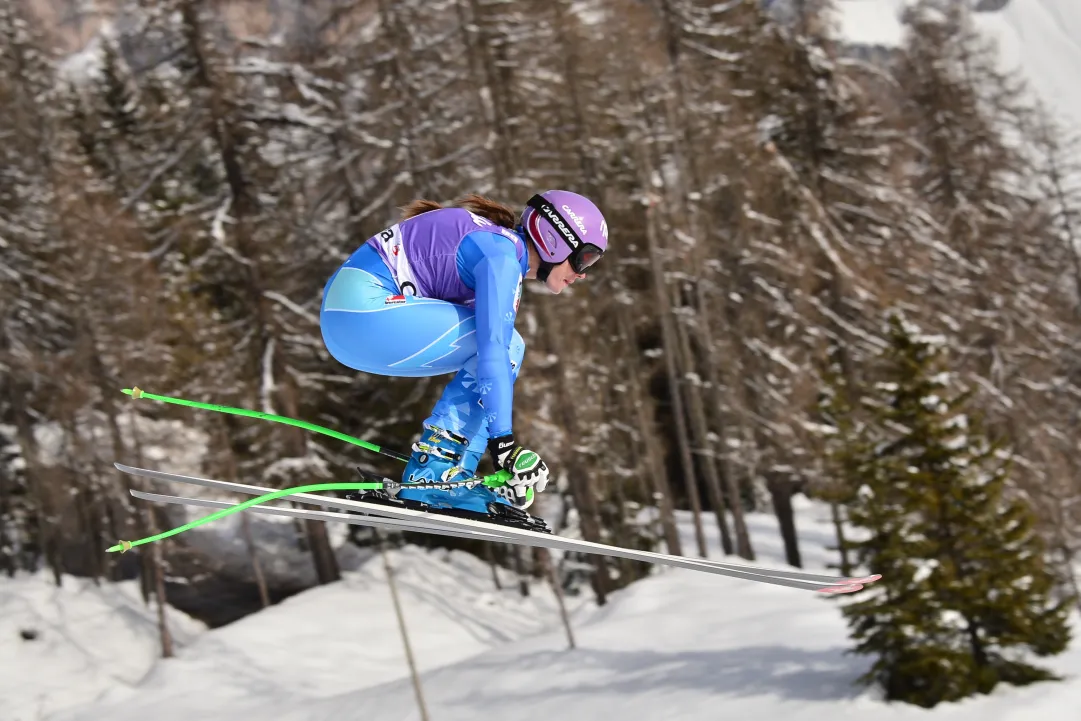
(369, 327)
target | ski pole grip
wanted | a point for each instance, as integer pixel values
(497, 479)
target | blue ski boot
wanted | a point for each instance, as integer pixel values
(441, 456)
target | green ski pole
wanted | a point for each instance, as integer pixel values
(123, 546)
(492, 481)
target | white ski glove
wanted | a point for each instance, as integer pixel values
(525, 466)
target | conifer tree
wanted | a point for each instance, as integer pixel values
(965, 588)
(35, 297)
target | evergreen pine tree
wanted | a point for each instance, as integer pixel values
(965, 588)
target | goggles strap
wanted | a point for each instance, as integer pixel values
(544, 270)
(565, 230)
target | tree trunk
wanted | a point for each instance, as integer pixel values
(245, 521)
(85, 500)
(522, 573)
(143, 520)
(494, 101)
(585, 499)
(701, 434)
(979, 653)
(152, 567)
(1056, 506)
(581, 484)
(691, 194)
(326, 563)
(567, 51)
(658, 475)
(780, 491)
(1057, 176)
(35, 480)
(7, 559)
(224, 129)
(842, 544)
(159, 593)
(490, 556)
(670, 352)
(731, 484)
(256, 565)
(106, 387)
(398, 32)
(1068, 571)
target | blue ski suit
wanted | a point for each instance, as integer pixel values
(436, 293)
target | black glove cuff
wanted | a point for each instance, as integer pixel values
(500, 445)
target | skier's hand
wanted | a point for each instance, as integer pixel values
(525, 466)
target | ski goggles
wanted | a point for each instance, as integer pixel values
(586, 255)
(583, 254)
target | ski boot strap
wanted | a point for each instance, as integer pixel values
(436, 451)
(442, 433)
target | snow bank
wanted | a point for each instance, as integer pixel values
(82, 641)
(318, 644)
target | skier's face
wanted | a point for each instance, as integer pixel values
(562, 276)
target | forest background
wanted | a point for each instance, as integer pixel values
(174, 197)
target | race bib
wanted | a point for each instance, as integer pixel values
(394, 247)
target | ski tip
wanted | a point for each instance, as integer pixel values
(865, 579)
(844, 588)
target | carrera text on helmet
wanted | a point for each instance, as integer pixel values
(557, 220)
(576, 218)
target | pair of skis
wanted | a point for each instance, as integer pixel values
(403, 519)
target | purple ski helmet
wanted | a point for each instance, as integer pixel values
(565, 225)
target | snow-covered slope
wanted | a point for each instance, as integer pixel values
(96, 652)
(678, 645)
(1039, 38)
(687, 648)
(81, 640)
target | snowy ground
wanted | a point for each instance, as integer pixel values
(679, 645)
(89, 639)
(96, 653)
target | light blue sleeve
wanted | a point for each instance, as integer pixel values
(488, 263)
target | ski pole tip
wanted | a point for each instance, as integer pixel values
(123, 546)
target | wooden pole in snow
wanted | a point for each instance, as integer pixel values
(401, 626)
